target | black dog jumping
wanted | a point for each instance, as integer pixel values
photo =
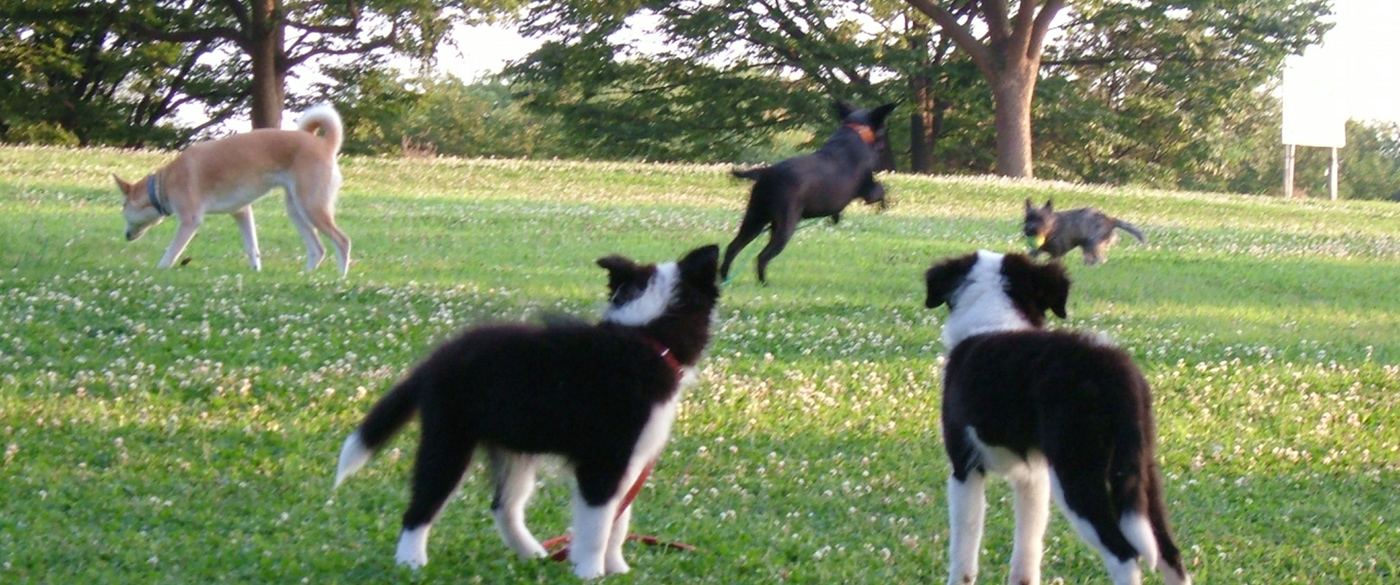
(820, 184)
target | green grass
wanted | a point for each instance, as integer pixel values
(182, 426)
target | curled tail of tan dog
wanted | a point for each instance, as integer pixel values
(1130, 228)
(323, 117)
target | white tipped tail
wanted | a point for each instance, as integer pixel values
(325, 117)
(1139, 534)
(353, 456)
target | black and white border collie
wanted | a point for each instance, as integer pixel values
(1058, 413)
(601, 396)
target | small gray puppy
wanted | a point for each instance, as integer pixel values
(1056, 233)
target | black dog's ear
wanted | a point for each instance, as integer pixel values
(615, 263)
(843, 109)
(701, 264)
(1029, 206)
(620, 270)
(1049, 205)
(878, 115)
(1036, 288)
(945, 277)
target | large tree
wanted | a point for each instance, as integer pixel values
(276, 36)
(94, 83)
(253, 46)
(1253, 35)
(1008, 55)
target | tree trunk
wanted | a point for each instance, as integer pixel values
(922, 128)
(1012, 91)
(921, 138)
(1010, 61)
(269, 69)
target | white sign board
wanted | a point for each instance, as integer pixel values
(1313, 111)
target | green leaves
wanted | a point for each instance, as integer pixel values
(1170, 94)
(118, 73)
(717, 81)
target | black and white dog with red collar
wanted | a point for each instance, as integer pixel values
(602, 396)
(1059, 413)
(820, 184)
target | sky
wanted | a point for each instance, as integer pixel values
(1366, 40)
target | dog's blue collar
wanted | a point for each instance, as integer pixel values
(151, 190)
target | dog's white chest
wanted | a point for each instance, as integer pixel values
(657, 429)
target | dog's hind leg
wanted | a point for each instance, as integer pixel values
(1032, 507)
(514, 475)
(315, 250)
(967, 509)
(1092, 254)
(443, 456)
(318, 201)
(244, 218)
(783, 229)
(750, 228)
(1096, 251)
(322, 219)
(1088, 505)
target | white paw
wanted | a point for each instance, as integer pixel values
(615, 565)
(531, 550)
(413, 548)
(588, 569)
(412, 560)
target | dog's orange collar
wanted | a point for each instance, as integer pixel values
(866, 133)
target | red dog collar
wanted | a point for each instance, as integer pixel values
(665, 352)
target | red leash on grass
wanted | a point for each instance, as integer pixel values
(563, 552)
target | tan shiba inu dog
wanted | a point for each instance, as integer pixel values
(229, 174)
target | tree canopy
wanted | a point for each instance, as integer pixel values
(1169, 94)
(730, 70)
(145, 58)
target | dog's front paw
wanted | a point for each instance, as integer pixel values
(589, 569)
(615, 565)
(531, 550)
(413, 548)
(412, 560)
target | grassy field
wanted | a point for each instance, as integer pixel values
(182, 426)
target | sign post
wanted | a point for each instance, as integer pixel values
(1313, 113)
